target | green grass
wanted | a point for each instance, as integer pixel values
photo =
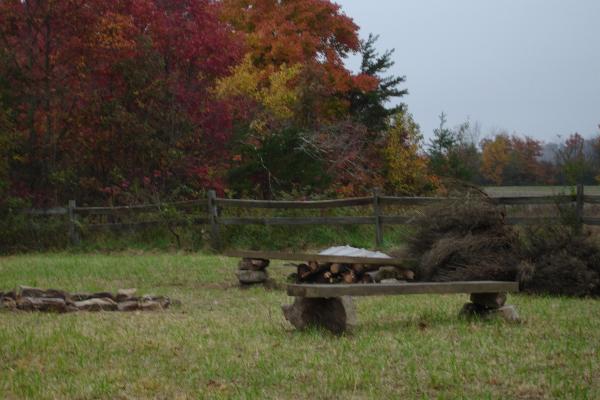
(223, 342)
(537, 190)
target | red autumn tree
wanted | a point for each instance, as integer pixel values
(107, 94)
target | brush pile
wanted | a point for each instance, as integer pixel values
(463, 241)
(33, 299)
(559, 259)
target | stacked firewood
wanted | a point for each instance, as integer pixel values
(315, 272)
(51, 300)
(253, 271)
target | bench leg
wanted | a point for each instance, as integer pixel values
(490, 304)
(337, 314)
(252, 271)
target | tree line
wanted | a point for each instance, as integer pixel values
(133, 101)
(511, 159)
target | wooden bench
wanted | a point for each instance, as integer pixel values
(331, 306)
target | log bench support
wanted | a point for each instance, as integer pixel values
(331, 306)
(252, 271)
(486, 305)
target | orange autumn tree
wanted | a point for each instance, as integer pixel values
(495, 158)
(312, 33)
(291, 95)
(512, 160)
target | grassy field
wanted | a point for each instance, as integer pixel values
(224, 342)
(497, 191)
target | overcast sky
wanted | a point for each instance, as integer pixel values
(526, 66)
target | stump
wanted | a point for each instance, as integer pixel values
(337, 314)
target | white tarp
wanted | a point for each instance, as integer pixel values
(350, 251)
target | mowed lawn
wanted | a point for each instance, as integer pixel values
(223, 342)
(499, 191)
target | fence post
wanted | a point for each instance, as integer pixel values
(213, 214)
(579, 206)
(377, 215)
(73, 228)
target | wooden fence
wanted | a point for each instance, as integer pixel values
(378, 219)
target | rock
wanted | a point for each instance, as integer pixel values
(509, 313)
(162, 300)
(104, 295)
(41, 304)
(11, 295)
(8, 303)
(88, 296)
(128, 306)
(81, 296)
(150, 305)
(71, 307)
(489, 300)
(31, 292)
(125, 294)
(249, 264)
(61, 294)
(337, 315)
(250, 277)
(97, 304)
(26, 291)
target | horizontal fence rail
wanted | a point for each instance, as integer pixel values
(212, 206)
(319, 204)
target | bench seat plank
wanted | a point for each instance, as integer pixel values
(380, 289)
(276, 255)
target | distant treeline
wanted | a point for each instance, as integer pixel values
(512, 160)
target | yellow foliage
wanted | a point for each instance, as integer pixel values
(113, 31)
(495, 158)
(407, 169)
(273, 91)
(279, 98)
(243, 82)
